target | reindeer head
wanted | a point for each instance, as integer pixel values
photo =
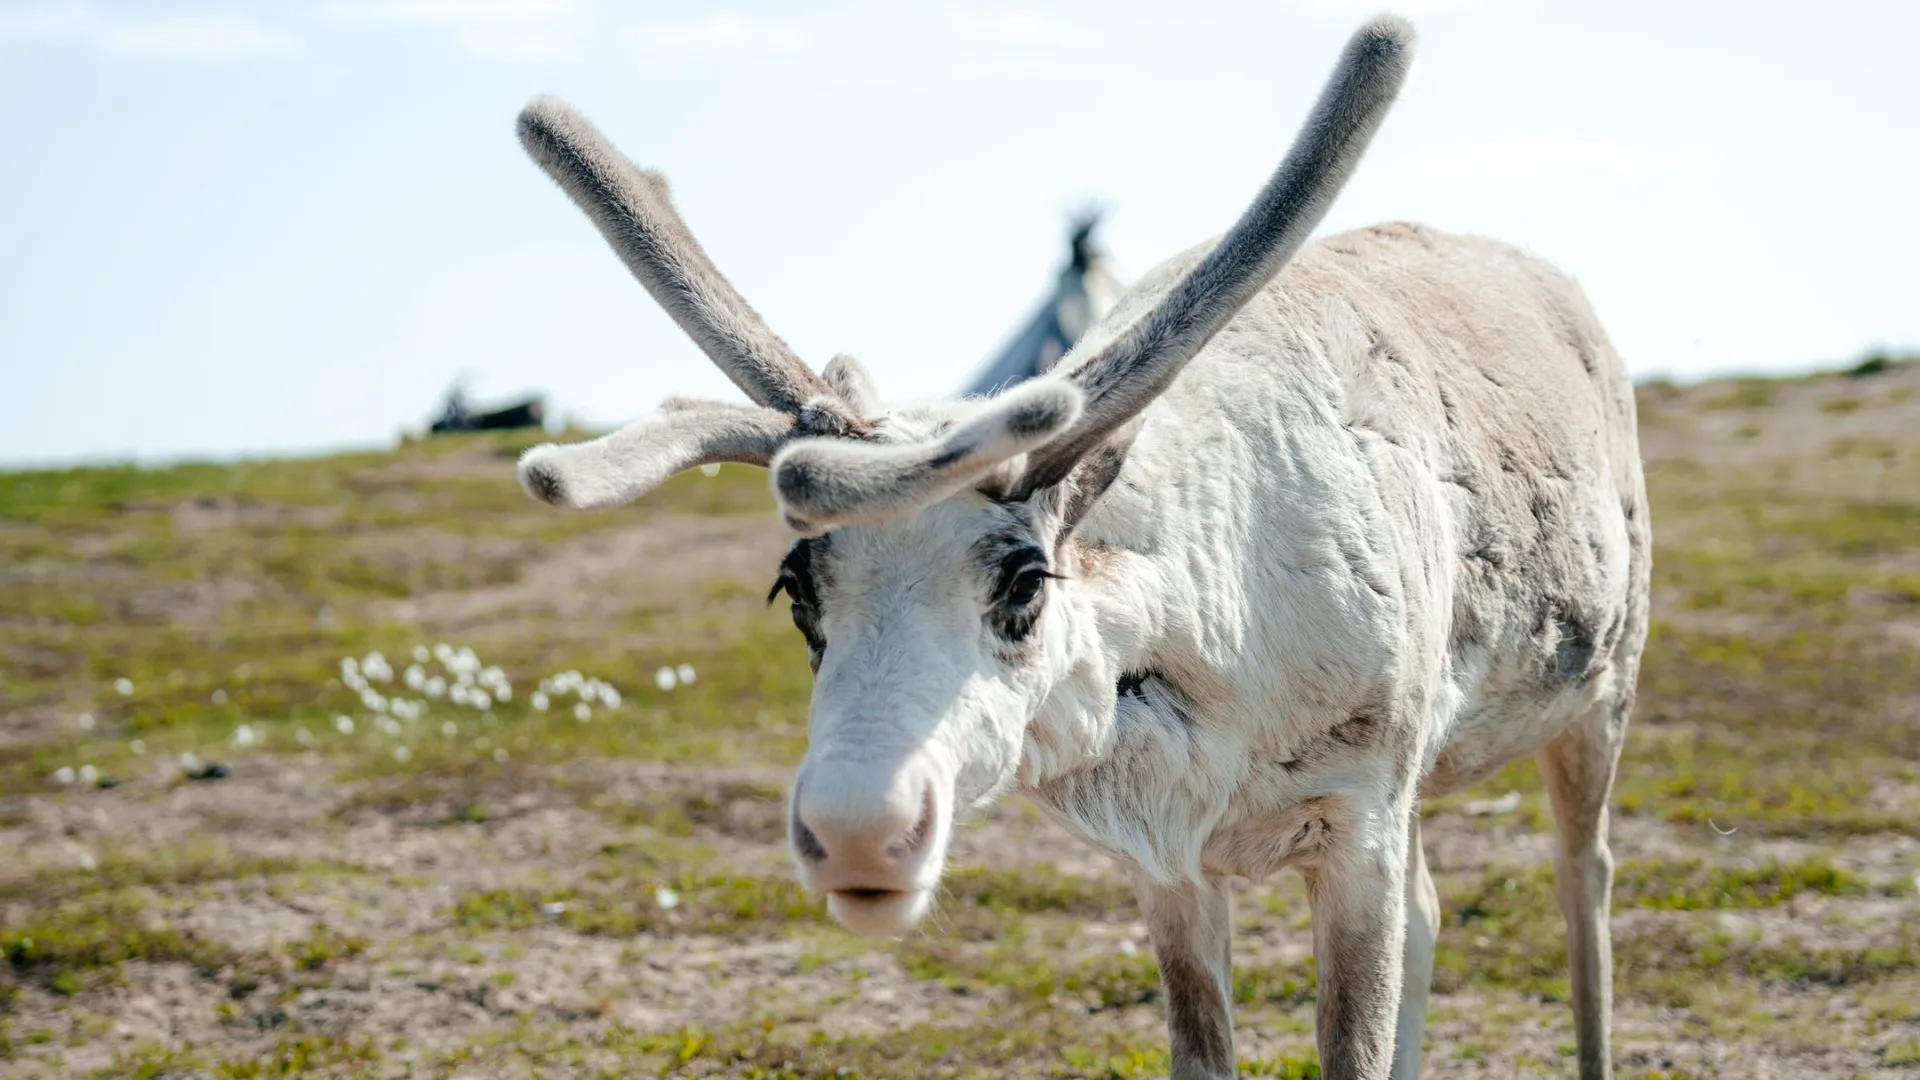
(930, 579)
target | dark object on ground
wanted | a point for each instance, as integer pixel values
(1086, 289)
(1871, 364)
(212, 770)
(456, 415)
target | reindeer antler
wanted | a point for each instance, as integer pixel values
(823, 478)
(631, 207)
(1124, 376)
(632, 210)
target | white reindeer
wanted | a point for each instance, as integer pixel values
(1267, 558)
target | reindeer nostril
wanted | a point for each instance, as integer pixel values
(921, 829)
(806, 843)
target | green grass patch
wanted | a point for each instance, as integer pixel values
(1505, 930)
(59, 947)
(194, 863)
(724, 905)
(1743, 394)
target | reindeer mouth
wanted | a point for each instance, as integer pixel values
(878, 912)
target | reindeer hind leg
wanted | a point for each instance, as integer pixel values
(1578, 767)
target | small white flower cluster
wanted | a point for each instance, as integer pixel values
(442, 671)
(463, 680)
(669, 677)
(360, 675)
(67, 774)
(587, 690)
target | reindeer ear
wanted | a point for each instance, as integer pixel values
(1093, 475)
(850, 380)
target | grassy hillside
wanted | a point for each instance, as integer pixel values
(241, 844)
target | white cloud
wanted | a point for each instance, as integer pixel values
(1360, 9)
(184, 36)
(1014, 27)
(503, 29)
(1530, 157)
(724, 34)
(452, 13)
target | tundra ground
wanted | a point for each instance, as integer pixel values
(496, 890)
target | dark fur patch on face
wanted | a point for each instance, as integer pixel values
(1014, 567)
(802, 573)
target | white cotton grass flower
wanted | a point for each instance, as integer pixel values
(123, 686)
(372, 699)
(609, 696)
(388, 725)
(666, 898)
(442, 652)
(139, 747)
(665, 678)
(436, 686)
(458, 695)
(375, 667)
(189, 761)
(415, 677)
(402, 754)
(219, 697)
(85, 720)
(63, 775)
(686, 673)
(538, 701)
(421, 655)
(86, 861)
(244, 736)
(343, 724)
(450, 729)
(500, 756)
(89, 774)
(303, 737)
(479, 699)
(583, 712)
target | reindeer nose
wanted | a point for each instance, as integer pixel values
(872, 837)
(859, 835)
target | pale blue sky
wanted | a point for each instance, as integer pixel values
(241, 228)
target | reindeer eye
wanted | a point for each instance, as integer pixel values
(1019, 591)
(808, 626)
(1026, 585)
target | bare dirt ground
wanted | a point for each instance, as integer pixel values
(511, 891)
